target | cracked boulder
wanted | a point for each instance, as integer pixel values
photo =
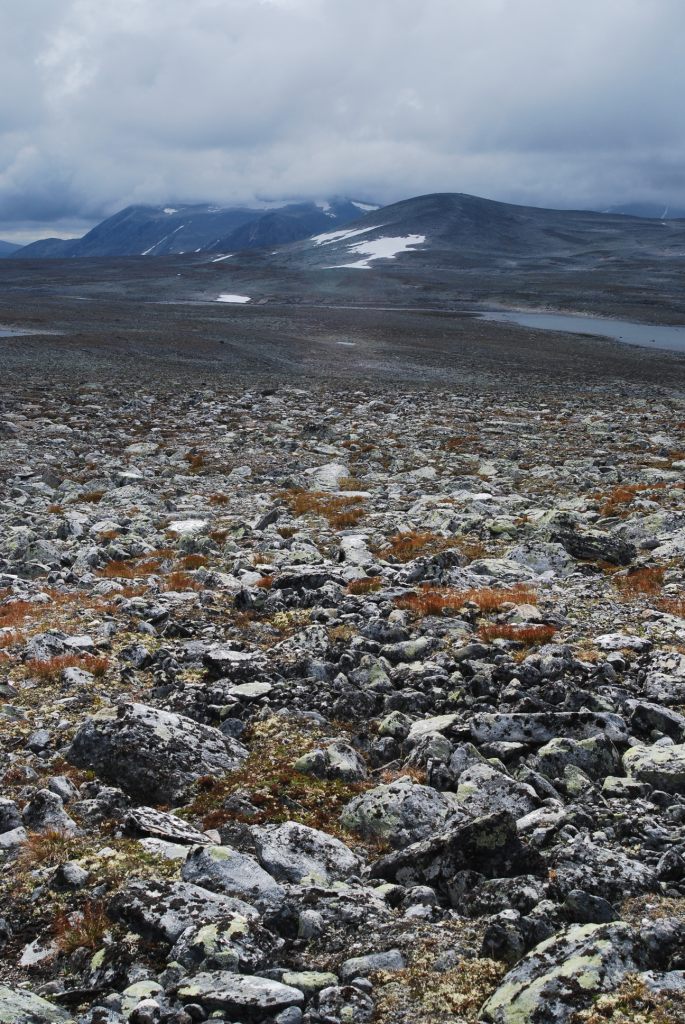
(489, 845)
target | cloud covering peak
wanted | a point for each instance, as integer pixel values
(570, 103)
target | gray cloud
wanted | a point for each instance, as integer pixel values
(565, 103)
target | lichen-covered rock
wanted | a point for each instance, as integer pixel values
(299, 854)
(239, 994)
(540, 727)
(482, 790)
(223, 869)
(401, 812)
(152, 754)
(236, 942)
(20, 1007)
(489, 845)
(663, 767)
(161, 911)
(564, 974)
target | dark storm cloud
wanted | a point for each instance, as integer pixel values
(564, 103)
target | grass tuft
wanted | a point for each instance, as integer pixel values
(84, 929)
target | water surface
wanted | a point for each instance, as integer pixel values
(648, 335)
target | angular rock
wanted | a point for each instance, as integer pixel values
(401, 812)
(564, 974)
(223, 869)
(249, 996)
(299, 854)
(153, 755)
(661, 767)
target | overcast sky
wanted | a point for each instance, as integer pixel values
(549, 102)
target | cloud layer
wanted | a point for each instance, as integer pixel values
(566, 103)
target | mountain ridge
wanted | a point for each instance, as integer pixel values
(144, 230)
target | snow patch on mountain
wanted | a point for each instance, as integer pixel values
(380, 249)
(338, 236)
(233, 298)
(366, 207)
(157, 244)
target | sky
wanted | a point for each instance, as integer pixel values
(544, 102)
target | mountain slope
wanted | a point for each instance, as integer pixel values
(7, 248)
(162, 231)
(442, 228)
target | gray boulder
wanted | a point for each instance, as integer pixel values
(564, 974)
(482, 790)
(401, 812)
(223, 869)
(660, 766)
(243, 994)
(153, 755)
(299, 854)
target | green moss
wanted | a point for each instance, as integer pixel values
(270, 781)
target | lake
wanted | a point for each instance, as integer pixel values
(647, 335)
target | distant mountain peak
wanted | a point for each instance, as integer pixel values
(175, 228)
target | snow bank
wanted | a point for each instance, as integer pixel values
(380, 249)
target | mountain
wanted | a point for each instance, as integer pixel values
(7, 248)
(655, 211)
(166, 230)
(446, 229)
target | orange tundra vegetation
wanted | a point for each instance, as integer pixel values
(527, 635)
(445, 600)
(648, 580)
(365, 585)
(49, 669)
